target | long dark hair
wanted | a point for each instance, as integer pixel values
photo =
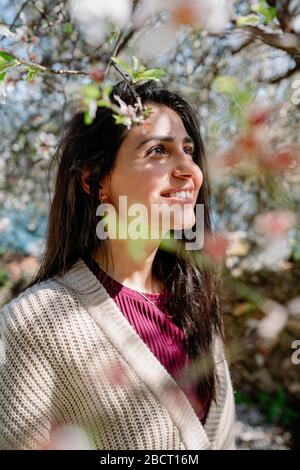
(194, 300)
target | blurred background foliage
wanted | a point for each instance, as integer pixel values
(238, 63)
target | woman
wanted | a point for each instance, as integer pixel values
(121, 338)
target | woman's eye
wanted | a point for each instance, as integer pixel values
(156, 148)
(160, 149)
(190, 150)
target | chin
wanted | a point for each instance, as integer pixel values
(187, 223)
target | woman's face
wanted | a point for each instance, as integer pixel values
(154, 161)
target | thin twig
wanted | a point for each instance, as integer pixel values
(113, 54)
(42, 68)
(43, 15)
(12, 26)
(127, 78)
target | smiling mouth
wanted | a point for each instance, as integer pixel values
(182, 196)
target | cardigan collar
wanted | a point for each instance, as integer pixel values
(140, 358)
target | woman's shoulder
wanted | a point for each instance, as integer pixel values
(34, 305)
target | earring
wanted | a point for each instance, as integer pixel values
(102, 198)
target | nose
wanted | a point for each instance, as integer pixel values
(188, 169)
(183, 171)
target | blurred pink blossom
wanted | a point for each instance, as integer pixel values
(116, 375)
(67, 437)
(275, 223)
(215, 246)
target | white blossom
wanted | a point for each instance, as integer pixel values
(274, 321)
(125, 109)
(92, 108)
(93, 15)
(5, 31)
(294, 307)
(157, 41)
(3, 92)
(213, 15)
(147, 9)
(5, 224)
(296, 24)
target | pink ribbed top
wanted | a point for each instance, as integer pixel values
(154, 326)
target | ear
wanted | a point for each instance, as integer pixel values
(84, 181)
(85, 173)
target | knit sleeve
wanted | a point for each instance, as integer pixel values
(26, 380)
(226, 439)
(227, 423)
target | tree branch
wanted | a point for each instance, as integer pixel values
(42, 68)
(12, 26)
(287, 42)
(278, 78)
(243, 45)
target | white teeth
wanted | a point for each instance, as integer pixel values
(181, 194)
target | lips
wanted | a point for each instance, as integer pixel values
(188, 189)
(183, 196)
(179, 195)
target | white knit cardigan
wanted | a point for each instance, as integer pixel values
(71, 358)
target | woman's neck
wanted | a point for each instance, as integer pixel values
(133, 264)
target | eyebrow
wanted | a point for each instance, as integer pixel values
(163, 138)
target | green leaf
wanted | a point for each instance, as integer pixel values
(147, 111)
(2, 76)
(87, 118)
(123, 64)
(67, 28)
(153, 74)
(136, 77)
(266, 11)
(112, 37)
(6, 56)
(138, 72)
(90, 91)
(226, 84)
(5, 65)
(102, 103)
(112, 32)
(3, 277)
(271, 14)
(107, 90)
(248, 20)
(120, 119)
(135, 64)
(31, 72)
